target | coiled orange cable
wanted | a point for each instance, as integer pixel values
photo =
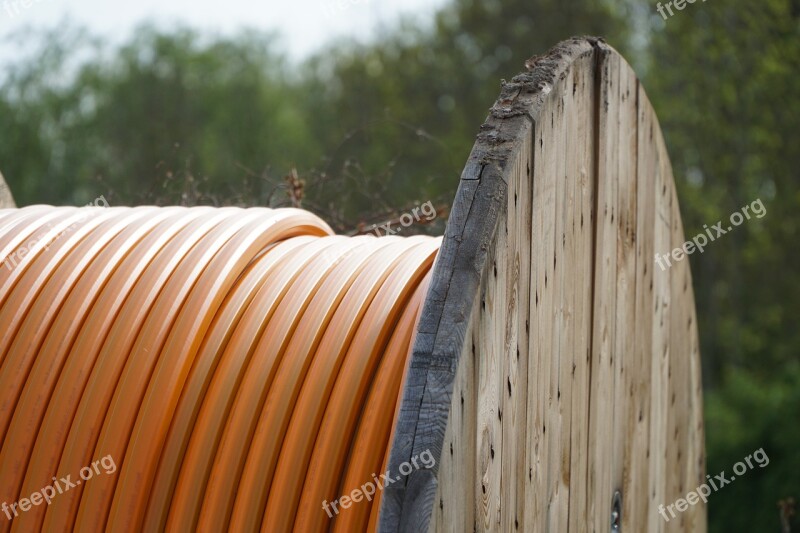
(79, 342)
(239, 366)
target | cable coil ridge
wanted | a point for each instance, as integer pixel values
(239, 366)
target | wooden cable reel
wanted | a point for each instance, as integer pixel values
(556, 370)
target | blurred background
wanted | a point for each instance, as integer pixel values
(361, 109)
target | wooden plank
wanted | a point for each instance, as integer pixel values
(601, 414)
(532, 465)
(580, 153)
(541, 303)
(546, 309)
(684, 456)
(636, 502)
(559, 392)
(626, 319)
(678, 373)
(491, 369)
(514, 389)
(659, 373)
(686, 468)
(695, 460)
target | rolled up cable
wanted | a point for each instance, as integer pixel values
(77, 337)
(234, 365)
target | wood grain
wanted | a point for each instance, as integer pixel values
(556, 364)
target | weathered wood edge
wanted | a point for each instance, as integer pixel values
(470, 234)
(6, 198)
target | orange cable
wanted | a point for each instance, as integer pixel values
(236, 365)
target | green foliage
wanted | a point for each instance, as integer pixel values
(165, 116)
(748, 413)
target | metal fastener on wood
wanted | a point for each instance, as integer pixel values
(616, 513)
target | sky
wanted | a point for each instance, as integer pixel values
(305, 25)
